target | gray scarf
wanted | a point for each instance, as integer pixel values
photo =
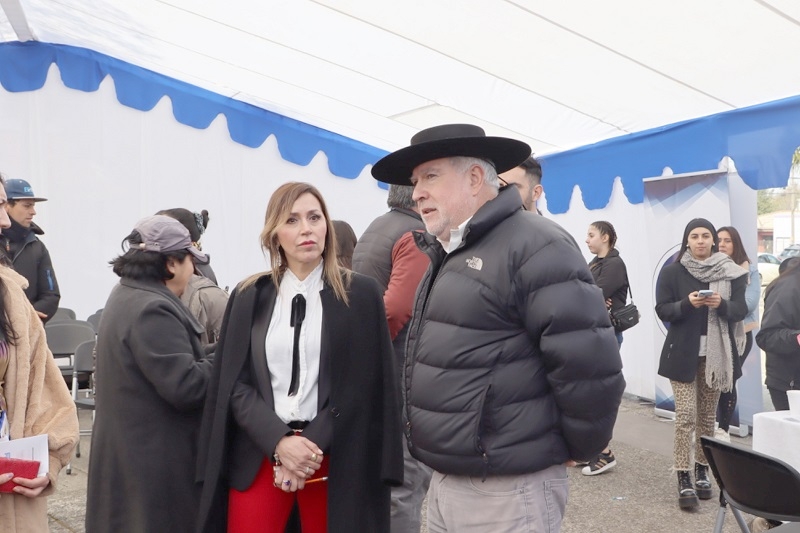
(718, 271)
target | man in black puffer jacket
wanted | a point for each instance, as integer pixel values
(512, 366)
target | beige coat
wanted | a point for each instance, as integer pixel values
(38, 402)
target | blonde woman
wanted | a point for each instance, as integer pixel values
(303, 407)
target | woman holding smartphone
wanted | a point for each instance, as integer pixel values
(701, 295)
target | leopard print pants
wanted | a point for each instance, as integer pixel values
(695, 414)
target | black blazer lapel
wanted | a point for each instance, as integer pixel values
(264, 305)
(334, 322)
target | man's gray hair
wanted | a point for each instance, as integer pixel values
(400, 197)
(462, 164)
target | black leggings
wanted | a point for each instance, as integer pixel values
(727, 400)
(780, 400)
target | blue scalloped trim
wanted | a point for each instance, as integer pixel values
(24, 66)
(760, 139)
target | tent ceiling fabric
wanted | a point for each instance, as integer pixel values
(556, 74)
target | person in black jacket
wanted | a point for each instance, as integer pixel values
(610, 274)
(701, 295)
(29, 255)
(780, 334)
(512, 368)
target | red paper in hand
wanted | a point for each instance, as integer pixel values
(20, 468)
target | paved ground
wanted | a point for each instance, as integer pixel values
(639, 495)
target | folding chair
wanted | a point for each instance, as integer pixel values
(754, 483)
(84, 364)
(63, 314)
(94, 320)
(63, 338)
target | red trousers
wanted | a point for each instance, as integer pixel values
(264, 508)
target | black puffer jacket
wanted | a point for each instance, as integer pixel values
(512, 362)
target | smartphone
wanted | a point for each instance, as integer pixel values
(705, 293)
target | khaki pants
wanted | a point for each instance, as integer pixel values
(532, 503)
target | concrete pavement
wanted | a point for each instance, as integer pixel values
(639, 495)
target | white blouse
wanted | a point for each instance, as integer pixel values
(279, 343)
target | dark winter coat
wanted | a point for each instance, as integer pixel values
(30, 258)
(512, 364)
(611, 276)
(358, 423)
(373, 256)
(687, 324)
(151, 385)
(780, 327)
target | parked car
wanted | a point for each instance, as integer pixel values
(793, 250)
(768, 266)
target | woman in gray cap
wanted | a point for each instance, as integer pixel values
(151, 383)
(202, 296)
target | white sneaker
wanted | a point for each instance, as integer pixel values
(721, 434)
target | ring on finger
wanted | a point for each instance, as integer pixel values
(287, 482)
(314, 457)
(308, 469)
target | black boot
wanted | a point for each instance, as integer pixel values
(701, 481)
(687, 497)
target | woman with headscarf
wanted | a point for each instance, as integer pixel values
(152, 380)
(34, 400)
(303, 408)
(701, 295)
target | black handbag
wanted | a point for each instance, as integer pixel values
(625, 317)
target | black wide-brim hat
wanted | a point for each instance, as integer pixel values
(449, 140)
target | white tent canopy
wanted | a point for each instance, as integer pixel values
(556, 74)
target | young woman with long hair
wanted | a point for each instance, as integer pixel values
(730, 243)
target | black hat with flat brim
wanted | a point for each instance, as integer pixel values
(450, 140)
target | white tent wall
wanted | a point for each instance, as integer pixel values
(632, 242)
(103, 166)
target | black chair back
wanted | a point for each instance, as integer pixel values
(753, 482)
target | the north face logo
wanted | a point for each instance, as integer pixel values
(475, 262)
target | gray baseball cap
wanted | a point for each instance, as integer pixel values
(163, 234)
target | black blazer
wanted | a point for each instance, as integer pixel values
(358, 422)
(687, 324)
